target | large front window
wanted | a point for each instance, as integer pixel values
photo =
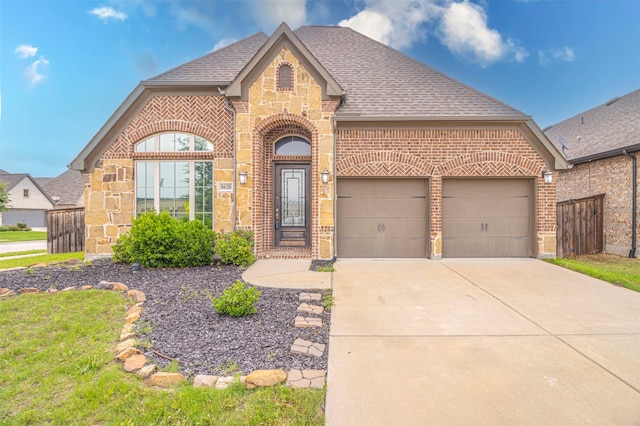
(182, 187)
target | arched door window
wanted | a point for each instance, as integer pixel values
(292, 145)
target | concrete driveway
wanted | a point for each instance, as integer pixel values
(22, 246)
(483, 342)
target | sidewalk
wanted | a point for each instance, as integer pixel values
(286, 273)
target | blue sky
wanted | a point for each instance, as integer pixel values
(66, 65)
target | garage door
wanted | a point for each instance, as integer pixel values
(33, 218)
(382, 217)
(487, 217)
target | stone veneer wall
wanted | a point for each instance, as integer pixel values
(610, 176)
(438, 153)
(272, 112)
(110, 194)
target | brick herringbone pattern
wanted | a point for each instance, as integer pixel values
(383, 163)
(205, 116)
(489, 163)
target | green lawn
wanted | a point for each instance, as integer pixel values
(57, 367)
(618, 270)
(17, 236)
(44, 258)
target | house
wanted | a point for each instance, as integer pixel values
(602, 145)
(67, 189)
(28, 201)
(325, 143)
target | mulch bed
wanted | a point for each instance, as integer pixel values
(181, 322)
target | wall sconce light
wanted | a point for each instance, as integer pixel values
(325, 176)
(243, 178)
(547, 176)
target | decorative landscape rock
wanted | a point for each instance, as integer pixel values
(165, 380)
(305, 322)
(105, 285)
(72, 288)
(86, 287)
(305, 347)
(134, 363)
(130, 319)
(128, 353)
(137, 308)
(137, 296)
(146, 371)
(264, 378)
(126, 344)
(305, 297)
(127, 332)
(306, 308)
(28, 290)
(119, 287)
(306, 378)
(52, 290)
(203, 380)
(5, 292)
(225, 382)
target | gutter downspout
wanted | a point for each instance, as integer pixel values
(235, 164)
(335, 192)
(634, 197)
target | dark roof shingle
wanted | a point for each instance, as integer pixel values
(612, 126)
(378, 80)
(69, 186)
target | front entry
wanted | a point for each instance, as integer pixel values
(292, 205)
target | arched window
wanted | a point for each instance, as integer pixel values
(285, 81)
(292, 145)
(174, 142)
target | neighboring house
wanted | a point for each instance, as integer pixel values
(325, 143)
(28, 201)
(67, 189)
(602, 144)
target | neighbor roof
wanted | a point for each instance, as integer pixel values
(601, 132)
(69, 186)
(378, 80)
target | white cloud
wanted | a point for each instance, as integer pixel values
(26, 51)
(223, 43)
(461, 26)
(564, 54)
(108, 13)
(200, 16)
(270, 13)
(34, 72)
(397, 23)
(464, 30)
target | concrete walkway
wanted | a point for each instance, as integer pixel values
(482, 342)
(286, 273)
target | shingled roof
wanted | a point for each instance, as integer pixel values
(67, 188)
(601, 132)
(379, 81)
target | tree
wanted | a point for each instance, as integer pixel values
(4, 198)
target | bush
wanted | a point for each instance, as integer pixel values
(237, 300)
(22, 225)
(236, 248)
(158, 240)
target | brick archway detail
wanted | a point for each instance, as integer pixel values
(490, 163)
(384, 163)
(265, 133)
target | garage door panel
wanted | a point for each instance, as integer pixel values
(497, 247)
(380, 208)
(382, 247)
(487, 217)
(382, 217)
(488, 206)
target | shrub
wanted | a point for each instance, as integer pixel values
(21, 225)
(158, 240)
(235, 248)
(237, 300)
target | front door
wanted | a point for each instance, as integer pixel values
(292, 205)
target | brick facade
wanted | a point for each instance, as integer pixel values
(110, 194)
(612, 177)
(438, 153)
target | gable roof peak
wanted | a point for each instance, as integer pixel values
(283, 36)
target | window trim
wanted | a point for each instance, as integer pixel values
(300, 138)
(291, 78)
(156, 144)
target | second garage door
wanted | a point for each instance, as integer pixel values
(487, 218)
(382, 217)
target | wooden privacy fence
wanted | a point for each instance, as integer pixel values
(580, 226)
(65, 230)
